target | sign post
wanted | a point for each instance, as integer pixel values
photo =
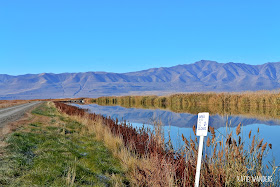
(202, 129)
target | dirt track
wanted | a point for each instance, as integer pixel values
(14, 113)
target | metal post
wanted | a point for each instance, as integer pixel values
(198, 166)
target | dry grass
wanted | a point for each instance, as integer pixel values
(13, 126)
(142, 170)
(9, 103)
(142, 155)
(149, 163)
(261, 104)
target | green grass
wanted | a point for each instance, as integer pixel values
(48, 155)
(45, 110)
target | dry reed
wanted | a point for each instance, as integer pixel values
(149, 163)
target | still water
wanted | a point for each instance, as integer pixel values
(177, 124)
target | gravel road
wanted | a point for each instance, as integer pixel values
(15, 112)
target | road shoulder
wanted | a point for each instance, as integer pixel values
(13, 124)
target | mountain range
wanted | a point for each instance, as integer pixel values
(200, 76)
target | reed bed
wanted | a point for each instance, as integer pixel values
(152, 162)
(261, 104)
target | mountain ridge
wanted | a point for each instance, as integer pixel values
(201, 76)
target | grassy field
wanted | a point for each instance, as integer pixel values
(255, 104)
(53, 150)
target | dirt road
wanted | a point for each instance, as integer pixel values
(14, 113)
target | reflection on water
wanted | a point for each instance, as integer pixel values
(177, 124)
(168, 118)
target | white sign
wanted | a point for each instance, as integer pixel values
(202, 124)
(202, 128)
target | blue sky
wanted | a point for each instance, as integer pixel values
(122, 36)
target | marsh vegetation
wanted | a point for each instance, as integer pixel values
(262, 104)
(63, 145)
(150, 160)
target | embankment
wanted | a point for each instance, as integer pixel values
(151, 162)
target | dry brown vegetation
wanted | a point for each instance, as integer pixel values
(262, 104)
(149, 161)
(9, 103)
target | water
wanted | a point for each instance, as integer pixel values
(177, 124)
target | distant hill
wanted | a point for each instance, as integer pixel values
(201, 76)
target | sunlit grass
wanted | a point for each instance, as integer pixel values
(57, 154)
